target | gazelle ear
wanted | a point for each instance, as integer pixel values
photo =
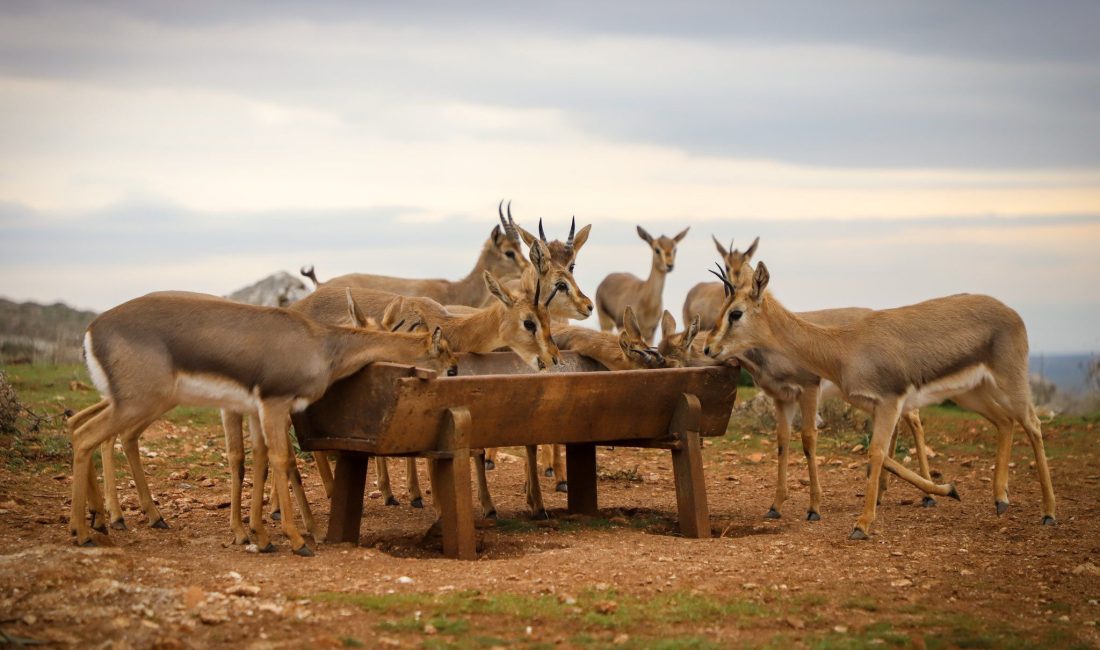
(392, 313)
(630, 323)
(759, 281)
(645, 235)
(751, 249)
(497, 290)
(668, 323)
(683, 233)
(580, 238)
(722, 250)
(527, 237)
(497, 236)
(356, 314)
(540, 255)
(692, 332)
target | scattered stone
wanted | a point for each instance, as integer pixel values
(209, 483)
(857, 449)
(756, 457)
(193, 596)
(621, 639)
(405, 580)
(429, 629)
(181, 475)
(969, 462)
(796, 622)
(375, 494)
(903, 582)
(243, 589)
(601, 586)
(606, 606)
(252, 548)
(214, 615)
(1088, 568)
(30, 619)
(840, 629)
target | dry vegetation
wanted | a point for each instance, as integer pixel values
(946, 577)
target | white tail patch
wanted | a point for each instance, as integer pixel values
(95, 369)
(946, 387)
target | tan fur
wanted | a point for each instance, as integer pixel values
(706, 298)
(970, 348)
(159, 351)
(626, 351)
(621, 290)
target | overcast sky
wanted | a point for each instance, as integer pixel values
(885, 152)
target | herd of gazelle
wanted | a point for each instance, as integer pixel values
(166, 349)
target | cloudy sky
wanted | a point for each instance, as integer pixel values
(884, 152)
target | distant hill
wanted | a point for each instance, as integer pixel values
(1069, 372)
(31, 333)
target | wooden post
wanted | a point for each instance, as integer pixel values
(451, 486)
(580, 470)
(346, 512)
(687, 466)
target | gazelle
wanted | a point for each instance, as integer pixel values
(518, 320)
(969, 348)
(628, 350)
(502, 255)
(706, 298)
(156, 352)
(621, 290)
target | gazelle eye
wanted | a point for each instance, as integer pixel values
(529, 325)
(563, 287)
(452, 371)
(735, 315)
(571, 267)
(510, 255)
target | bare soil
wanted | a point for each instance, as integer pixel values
(955, 575)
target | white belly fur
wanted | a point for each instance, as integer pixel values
(947, 387)
(212, 390)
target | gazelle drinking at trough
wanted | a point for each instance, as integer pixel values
(706, 298)
(621, 290)
(502, 255)
(518, 320)
(968, 348)
(156, 352)
(627, 350)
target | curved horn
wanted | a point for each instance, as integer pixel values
(542, 233)
(500, 211)
(730, 289)
(572, 231)
(511, 227)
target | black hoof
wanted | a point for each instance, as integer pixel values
(562, 486)
(161, 524)
(270, 548)
(928, 502)
(954, 494)
(813, 516)
(858, 534)
(492, 514)
(88, 544)
(772, 513)
(119, 524)
(276, 515)
(1048, 520)
(1002, 507)
(490, 464)
(391, 501)
(541, 514)
(417, 502)
(303, 551)
(102, 530)
(549, 471)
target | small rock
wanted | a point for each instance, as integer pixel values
(30, 619)
(903, 582)
(193, 597)
(243, 590)
(967, 463)
(750, 585)
(214, 616)
(209, 483)
(601, 586)
(621, 639)
(606, 606)
(252, 548)
(796, 622)
(1088, 568)
(376, 494)
(756, 457)
(405, 580)
(857, 449)
(840, 629)
(429, 629)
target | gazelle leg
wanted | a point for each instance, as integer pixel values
(110, 488)
(1034, 431)
(259, 480)
(233, 427)
(784, 414)
(483, 496)
(558, 463)
(534, 492)
(885, 418)
(295, 477)
(546, 453)
(274, 421)
(133, 455)
(382, 466)
(96, 507)
(412, 479)
(890, 453)
(491, 458)
(913, 422)
(808, 402)
(324, 469)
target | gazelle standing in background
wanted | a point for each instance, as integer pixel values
(621, 290)
(706, 298)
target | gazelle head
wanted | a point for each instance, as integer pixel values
(634, 345)
(741, 324)
(675, 346)
(525, 326)
(664, 248)
(505, 259)
(554, 262)
(736, 262)
(436, 353)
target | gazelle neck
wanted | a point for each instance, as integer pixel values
(817, 348)
(478, 332)
(351, 349)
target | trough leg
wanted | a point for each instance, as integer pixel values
(687, 466)
(451, 487)
(346, 512)
(580, 464)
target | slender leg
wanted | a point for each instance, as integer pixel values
(91, 432)
(96, 506)
(324, 468)
(346, 513)
(483, 496)
(274, 419)
(276, 507)
(912, 421)
(534, 492)
(382, 466)
(808, 401)
(491, 458)
(130, 447)
(110, 488)
(784, 414)
(300, 496)
(558, 464)
(885, 417)
(233, 426)
(546, 452)
(1034, 431)
(412, 479)
(891, 451)
(259, 481)
(580, 462)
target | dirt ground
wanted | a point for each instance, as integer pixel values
(954, 575)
